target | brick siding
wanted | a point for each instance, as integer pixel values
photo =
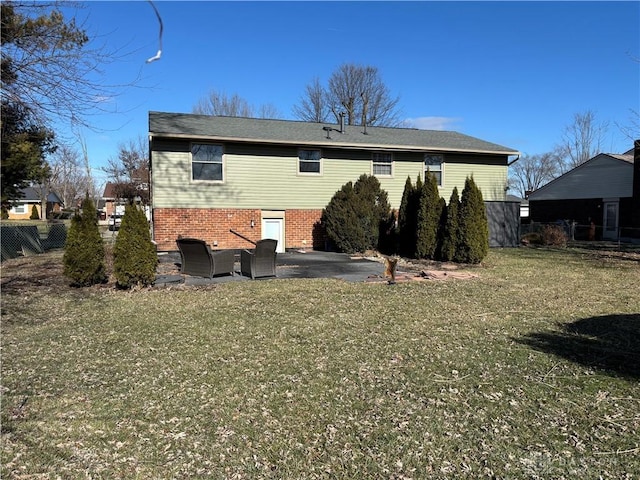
(214, 225)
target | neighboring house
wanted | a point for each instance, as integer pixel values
(601, 192)
(231, 180)
(111, 202)
(107, 204)
(21, 208)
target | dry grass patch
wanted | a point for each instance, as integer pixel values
(529, 371)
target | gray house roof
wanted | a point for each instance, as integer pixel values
(606, 175)
(255, 130)
(30, 195)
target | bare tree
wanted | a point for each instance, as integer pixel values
(356, 90)
(47, 65)
(129, 171)
(217, 103)
(531, 172)
(632, 129)
(313, 104)
(582, 139)
(69, 178)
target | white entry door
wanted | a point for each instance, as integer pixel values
(274, 228)
(610, 221)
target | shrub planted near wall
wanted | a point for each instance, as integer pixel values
(428, 218)
(407, 219)
(451, 233)
(34, 213)
(356, 214)
(474, 226)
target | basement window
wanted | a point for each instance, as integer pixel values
(206, 162)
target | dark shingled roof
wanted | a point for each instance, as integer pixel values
(257, 130)
(30, 194)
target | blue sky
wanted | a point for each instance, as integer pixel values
(512, 73)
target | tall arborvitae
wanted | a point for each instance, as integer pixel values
(83, 258)
(474, 227)
(450, 237)
(134, 254)
(442, 221)
(429, 210)
(407, 220)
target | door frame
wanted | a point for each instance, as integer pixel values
(610, 234)
(270, 216)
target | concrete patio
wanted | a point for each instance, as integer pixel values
(309, 264)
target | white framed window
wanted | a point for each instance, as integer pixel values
(433, 165)
(206, 162)
(309, 161)
(382, 164)
(19, 208)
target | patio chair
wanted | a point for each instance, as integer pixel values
(261, 261)
(199, 260)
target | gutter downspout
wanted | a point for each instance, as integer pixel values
(513, 161)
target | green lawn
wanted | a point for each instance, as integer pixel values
(531, 370)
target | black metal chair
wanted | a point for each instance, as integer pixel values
(200, 261)
(261, 261)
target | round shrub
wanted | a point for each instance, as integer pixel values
(356, 214)
(554, 235)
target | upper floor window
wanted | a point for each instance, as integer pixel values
(206, 162)
(309, 161)
(433, 165)
(382, 163)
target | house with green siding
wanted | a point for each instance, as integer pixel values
(231, 181)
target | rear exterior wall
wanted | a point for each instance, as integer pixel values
(262, 177)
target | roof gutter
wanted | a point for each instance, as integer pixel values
(513, 161)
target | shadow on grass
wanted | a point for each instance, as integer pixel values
(610, 343)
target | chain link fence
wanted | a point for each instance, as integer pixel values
(592, 232)
(25, 240)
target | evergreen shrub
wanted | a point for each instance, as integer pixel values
(34, 213)
(474, 226)
(428, 218)
(84, 258)
(407, 219)
(451, 233)
(134, 254)
(356, 214)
